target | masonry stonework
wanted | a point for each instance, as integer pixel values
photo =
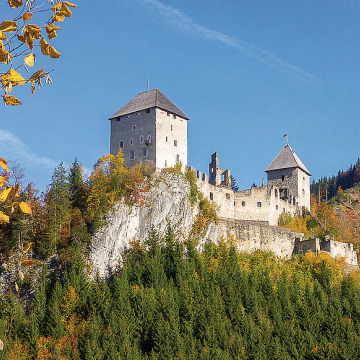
(151, 129)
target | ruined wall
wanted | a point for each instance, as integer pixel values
(256, 235)
(340, 249)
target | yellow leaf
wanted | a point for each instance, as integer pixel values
(58, 17)
(2, 36)
(37, 75)
(11, 100)
(51, 30)
(27, 16)
(21, 275)
(27, 247)
(66, 10)
(34, 31)
(16, 287)
(8, 26)
(53, 53)
(56, 7)
(5, 193)
(28, 262)
(15, 3)
(27, 39)
(2, 181)
(44, 47)
(12, 76)
(69, 4)
(16, 190)
(25, 208)
(5, 56)
(3, 163)
(4, 217)
(29, 60)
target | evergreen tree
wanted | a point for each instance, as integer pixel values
(59, 207)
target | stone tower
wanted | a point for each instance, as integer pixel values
(290, 175)
(150, 129)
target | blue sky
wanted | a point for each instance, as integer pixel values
(245, 72)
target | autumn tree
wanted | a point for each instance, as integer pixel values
(21, 41)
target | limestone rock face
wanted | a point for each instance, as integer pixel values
(167, 201)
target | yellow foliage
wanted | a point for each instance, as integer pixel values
(29, 60)
(53, 53)
(27, 16)
(18, 351)
(8, 26)
(15, 3)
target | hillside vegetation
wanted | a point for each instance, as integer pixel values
(169, 301)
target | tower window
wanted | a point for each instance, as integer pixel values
(175, 142)
(148, 111)
(277, 207)
(166, 138)
(282, 177)
(131, 142)
(227, 196)
(141, 139)
(121, 145)
(144, 152)
(168, 114)
(133, 127)
(243, 203)
(276, 193)
(174, 116)
(132, 155)
(177, 158)
(171, 127)
(165, 163)
(258, 204)
(211, 196)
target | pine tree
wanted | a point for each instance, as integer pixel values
(59, 206)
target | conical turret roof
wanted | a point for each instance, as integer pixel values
(287, 159)
(149, 99)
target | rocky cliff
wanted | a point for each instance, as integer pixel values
(166, 202)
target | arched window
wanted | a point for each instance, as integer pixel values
(243, 203)
(227, 196)
(211, 196)
(166, 139)
(141, 139)
(131, 142)
(175, 142)
(121, 146)
(177, 158)
(276, 193)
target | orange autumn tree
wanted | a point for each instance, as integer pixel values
(21, 40)
(9, 196)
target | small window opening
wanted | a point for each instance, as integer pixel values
(148, 111)
(277, 207)
(171, 127)
(168, 114)
(166, 138)
(211, 196)
(222, 177)
(276, 193)
(177, 158)
(243, 203)
(283, 209)
(132, 155)
(165, 163)
(141, 139)
(144, 152)
(133, 127)
(121, 144)
(234, 203)
(227, 196)
(131, 142)
(174, 116)
(258, 204)
(282, 177)
(175, 142)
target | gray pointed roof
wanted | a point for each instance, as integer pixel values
(287, 159)
(149, 99)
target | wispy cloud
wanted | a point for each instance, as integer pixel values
(13, 148)
(179, 20)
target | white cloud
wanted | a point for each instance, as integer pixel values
(13, 148)
(179, 20)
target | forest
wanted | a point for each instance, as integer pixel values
(168, 300)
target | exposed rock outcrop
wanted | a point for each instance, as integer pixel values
(167, 201)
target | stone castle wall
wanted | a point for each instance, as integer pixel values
(257, 204)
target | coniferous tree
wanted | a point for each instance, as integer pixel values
(59, 206)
